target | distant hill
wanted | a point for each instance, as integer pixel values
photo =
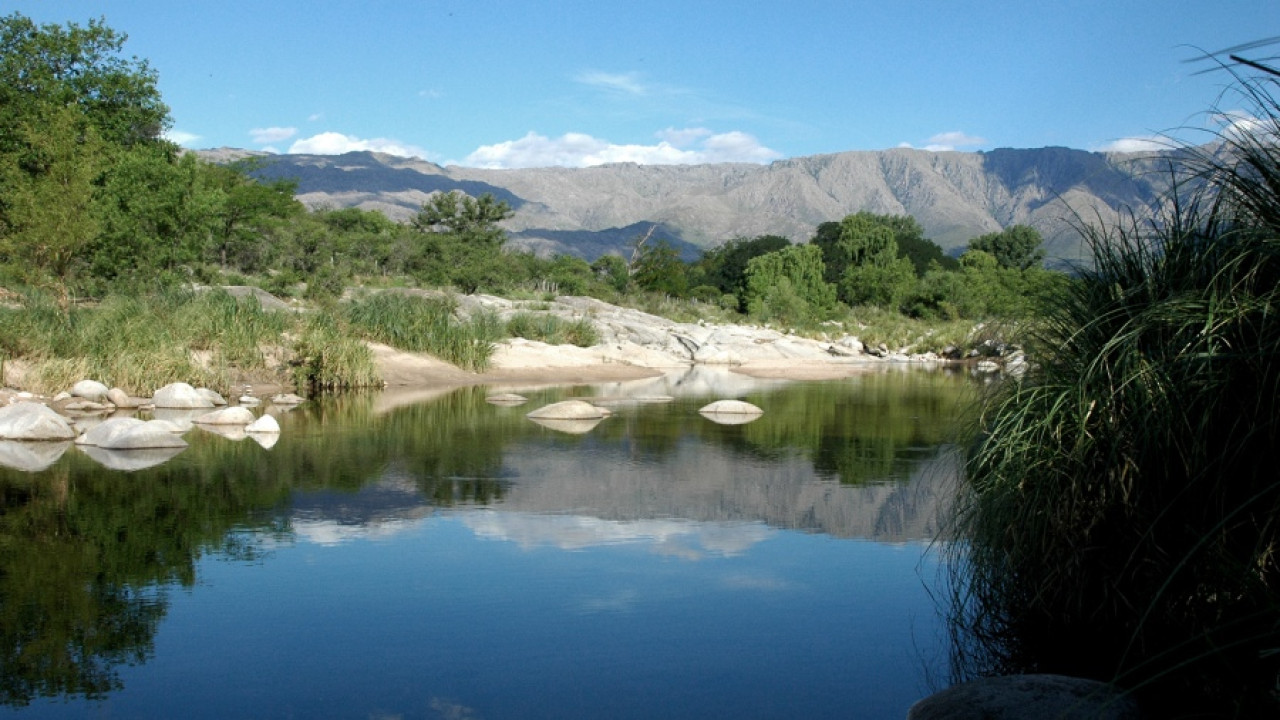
(955, 196)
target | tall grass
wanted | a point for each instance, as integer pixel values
(422, 324)
(1122, 502)
(141, 343)
(552, 329)
(328, 358)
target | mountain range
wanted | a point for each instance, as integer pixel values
(955, 196)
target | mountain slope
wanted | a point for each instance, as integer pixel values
(588, 211)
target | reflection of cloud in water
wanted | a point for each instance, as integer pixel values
(332, 532)
(677, 538)
(621, 601)
(742, 581)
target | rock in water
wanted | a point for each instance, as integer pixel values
(227, 416)
(567, 410)
(180, 395)
(33, 421)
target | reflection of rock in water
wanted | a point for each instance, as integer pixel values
(572, 427)
(706, 483)
(31, 455)
(130, 460)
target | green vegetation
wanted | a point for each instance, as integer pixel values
(98, 211)
(1122, 506)
(552, 329)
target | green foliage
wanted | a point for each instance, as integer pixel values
(658, 268)
(1121, 503)
(76, 67)
(329, 359)
(613, 271)
(424, 324)
(552, 329)
(788, 286)
(725, 267)
(1017, 247)
(461, 242)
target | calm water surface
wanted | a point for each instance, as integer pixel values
(430, 555)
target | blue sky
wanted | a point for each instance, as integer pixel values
(518, 84)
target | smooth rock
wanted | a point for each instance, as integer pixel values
(287, 399)
(122, 399)
(264, 424)
(1027, 697)
(731, 407)
(150, 435)
(33, 421)
(212, 396)
(226, 416)
(567, 410)
(249, 401)
(180, 396)
(90, 390)
(108, 429)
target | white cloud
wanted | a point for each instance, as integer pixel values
(1136, 144)
(315, 117)
(1238, 125)
(675, 147)
(180, 137)
(947, 141)
(264, 136)
(628, 83)
(334, 143)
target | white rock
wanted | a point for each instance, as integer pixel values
(90, 390)
(33, 421)
(150, 435)
(264, 424)
(249, 401)
(287, 399)
(180, 395)
(108, 429)
(212, 396)
(226, 416)
(122, 399)
(567, 410)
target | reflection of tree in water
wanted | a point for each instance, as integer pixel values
(86, 556)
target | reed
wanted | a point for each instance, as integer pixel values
(553, 329)
(1122, 506)
(425, 324)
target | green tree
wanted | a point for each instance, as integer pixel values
(77, 66)
(658, 268)
(725, 267)
(462, 242)
(48, 190)
(1017, 246)
(612, 269)
(788, 285)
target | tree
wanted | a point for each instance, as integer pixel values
(658, 268)
(788, 285)
(48, 191)
(81, 67)
(725, 267)
(462, 240)
(1017, 246)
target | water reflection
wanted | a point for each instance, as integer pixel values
(86, 558)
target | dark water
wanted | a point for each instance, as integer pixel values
(432, 555)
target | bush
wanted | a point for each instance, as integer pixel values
(1122, 504)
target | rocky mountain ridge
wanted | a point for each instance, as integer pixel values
(590, 211)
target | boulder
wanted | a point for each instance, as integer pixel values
(108, 429)
(181, 396)
(249, 401)
(287, 399)
(90, 390)
(151, 435)
(264, 424)
(33, 421)
(226, 416)
(567, 410)
(212, 396)
(1027, 697)
(731, 407)
(122, 399)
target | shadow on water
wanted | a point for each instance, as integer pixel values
(89, 554)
